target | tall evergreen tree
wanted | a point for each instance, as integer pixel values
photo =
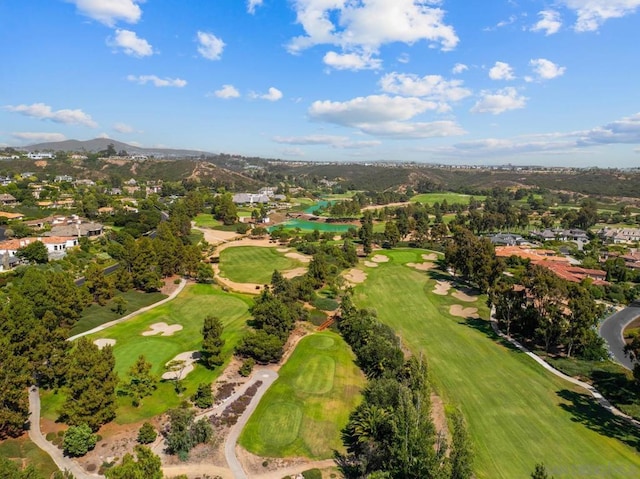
(141, 382)
(212, 342)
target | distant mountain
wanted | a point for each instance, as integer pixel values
(100, 144)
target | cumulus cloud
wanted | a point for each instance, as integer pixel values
(110, 12)
(252, 4)
(459, 68)
(365, 26)
(500, 101)
(432, 87)
(545, 69)
(593, 13)
(44, 112)
(123, 128)
(273, 94)
(38, 137)
(210, 46)
(352, 61)
(626, 130)
(131, 44)
(501, 71)
(326, 140)
(226, 92)
(549, 22)
(157, 81)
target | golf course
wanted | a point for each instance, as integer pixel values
(248, 264)
(305, 409)
(518, 414)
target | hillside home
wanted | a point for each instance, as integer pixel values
(619, 235)
(56, 245)
(11, 216)
(7, 200)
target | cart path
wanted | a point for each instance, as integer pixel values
(612, 331)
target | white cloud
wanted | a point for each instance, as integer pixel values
(404, 58)
(210, 46)
(110, 11)
(328, 140)
(501, 71)
(131, 44)
(123, 128)
(499, 101)
(626, 130)
(432, 87)
(44, 112)
(272, 95)
(549, 22)
(546, 69)
(367, 25)
(37, 137)
(227, 91)
(593, 13)
(459, 68)
(512, 19)
(252, 4)
(352, 61)
(408, 130)
(157, 81)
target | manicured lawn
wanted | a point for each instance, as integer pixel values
(251, 264)
(518, 414)
(188, 310)
(206, 220)
(23, 451)
(95, 315)
(452, 198)
(303, 412)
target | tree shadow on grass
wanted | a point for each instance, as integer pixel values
(484, 327)
(616, 387)
(587, 411)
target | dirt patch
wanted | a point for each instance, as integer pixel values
(430, 257)
(163, 329)
(282, 250)
(421, 266)
(370, 264)
(380, 258)
(170, 285)
(439, 416)
(462, 296)
(355, 276)
(41, 163)
(303, 258)
(292, 273)
(442, 288)
(216, 236)
(102, 342)
(462, 312)
(189, 357)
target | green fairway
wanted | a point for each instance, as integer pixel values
(252, 264)
(518, 413)
(188, 310)
(303, 412)
(206, 220)
(451, 198)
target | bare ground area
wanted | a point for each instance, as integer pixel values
(355, 276)
(462, 312)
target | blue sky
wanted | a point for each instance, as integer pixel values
(487, 82)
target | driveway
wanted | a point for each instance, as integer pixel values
(612, 328)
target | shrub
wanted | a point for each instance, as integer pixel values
(247, 367)
(147, 434)
(312, 474)
(78, 440)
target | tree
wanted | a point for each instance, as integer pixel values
(540, 472)
(261, 346)
(391, 233)
(147, 434)
(35, 252)
(461, 456)
(144, 269)
(203, 397)
(224, 209)
(366, 231)
(212, 342)
(146, 466)
(100, 288)
(14, 399)
(78, 440)
(185, 432)
(205, 273)
(141, 382)
(10, 470)
(176, 367)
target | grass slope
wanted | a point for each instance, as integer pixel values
(303, 412)
(452, 198)
(518, 414)
(189, 310)
(24, 453)
(251, 264)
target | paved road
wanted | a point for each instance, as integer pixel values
(612, 328)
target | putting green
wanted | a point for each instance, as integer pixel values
(310, 402)
(518, 413)
(252, 264)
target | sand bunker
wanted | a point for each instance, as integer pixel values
(442, 288)
(380, 258)
(421, 266)
(102, 342)
(355, 276)
(282, 250)
(189, 358)
(462, 312)
(370, 264)
(467, 298)
(292, 273)
(430, 257)
(162, 328)
(299, 256)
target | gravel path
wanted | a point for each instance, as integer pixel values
(612, 330)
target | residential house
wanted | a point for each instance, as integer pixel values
(63, 179)
(619, 235)
(56, 246)
(40, 156)
(506, 239)
(11, 216)
(249, 198)
(5, 180)
(7, 200)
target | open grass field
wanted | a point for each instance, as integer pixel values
(206, 220)
(305, 409)
(251, 264)
(188, 310)
(452, 198)
(25, 452)
(518, 414)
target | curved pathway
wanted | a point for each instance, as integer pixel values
(612, 331)
(594, 392)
